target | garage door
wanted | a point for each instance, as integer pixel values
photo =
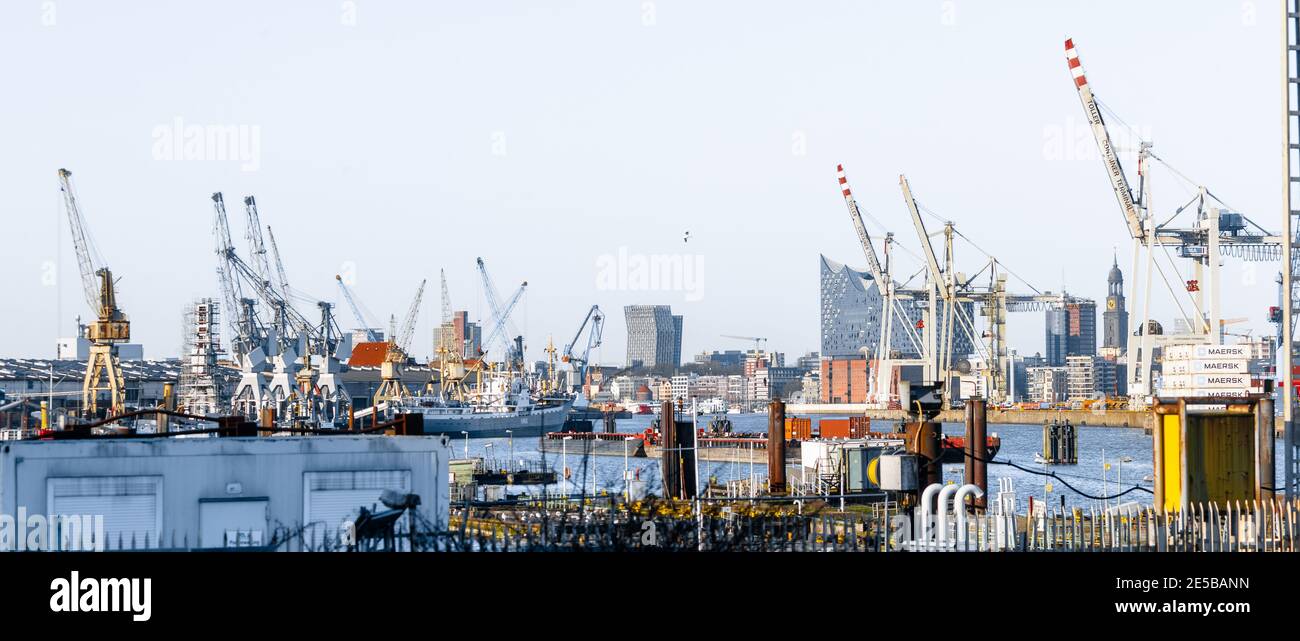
(131, 506)
(332, 498)
(228, 523)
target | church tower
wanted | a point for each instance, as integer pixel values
(1115, 318)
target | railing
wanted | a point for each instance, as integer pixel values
(560, 524)
(1255, 526)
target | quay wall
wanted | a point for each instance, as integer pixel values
(1108, 418)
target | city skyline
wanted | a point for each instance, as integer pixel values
(344, 150)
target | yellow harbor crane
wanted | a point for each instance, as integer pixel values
(103, 369)
(399, 341)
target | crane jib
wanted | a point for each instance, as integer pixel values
(1113, 167)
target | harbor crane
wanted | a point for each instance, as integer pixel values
(110, 327)
(399, 343)
(452, 371)
(758, 341)
(501, 318)
(279, 264)
(249, 342)
(372, 334)
(595, 319)
(881, 384)
(1216, 232)
(446, 297)
(942, 285)
(298, 386)
(256, 243)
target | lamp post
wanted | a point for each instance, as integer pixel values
(564, 462)
(510, 434)
(627, 476)
(1119, 478)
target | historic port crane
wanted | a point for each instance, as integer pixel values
(249, 342)
(452, 371)
(399, 342)
(279, 264)
(110, 327)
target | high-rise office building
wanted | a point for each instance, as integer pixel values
(459, 335)
(654, 336)
(1071, 331)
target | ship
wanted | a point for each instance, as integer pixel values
(505, 406)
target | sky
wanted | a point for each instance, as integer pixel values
(572, 144)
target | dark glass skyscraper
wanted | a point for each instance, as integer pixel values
(654, 336)
(1071, 331)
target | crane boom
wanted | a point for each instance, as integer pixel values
(500, 313)
(403, 337)
(596, 318)
(931, 260)
(502, 317)
(279, 264)
(446, 297)
(873, 261)
(1114, 170)
(256, 245)
(356, 309)
(80, 241)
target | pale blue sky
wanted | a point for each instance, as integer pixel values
(623, 124)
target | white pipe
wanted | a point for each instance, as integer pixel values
(959, 506)
(944, 495)
(927, 498)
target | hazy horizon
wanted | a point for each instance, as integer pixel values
(563, 145)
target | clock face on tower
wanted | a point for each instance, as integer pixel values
(1110, 304)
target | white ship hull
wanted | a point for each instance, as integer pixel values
(480, 423)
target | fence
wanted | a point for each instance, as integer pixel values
(1254, 527)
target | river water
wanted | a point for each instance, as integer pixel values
(1127, 450)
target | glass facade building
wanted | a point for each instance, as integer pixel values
(851, 313)
(1071, 331)
(654, 336)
